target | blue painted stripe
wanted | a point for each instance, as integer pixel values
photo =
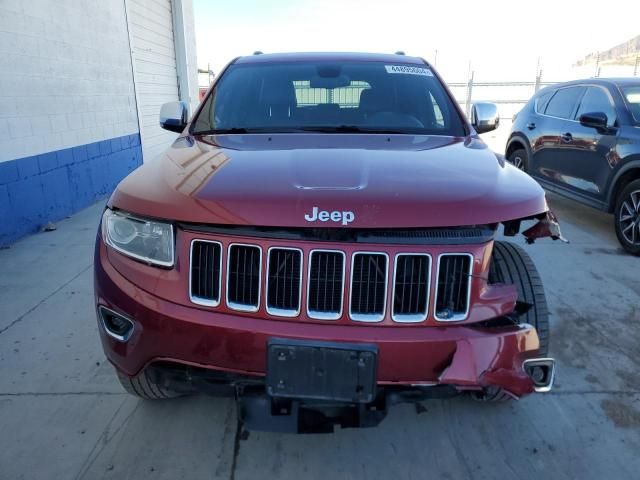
(46, 188)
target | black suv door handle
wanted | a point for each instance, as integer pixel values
(531, 126)
(567, 137)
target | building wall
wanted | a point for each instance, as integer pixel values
(68, 122)
(69, 127)
(155, 71)
(186, 50)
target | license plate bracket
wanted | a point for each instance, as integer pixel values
(321, 370)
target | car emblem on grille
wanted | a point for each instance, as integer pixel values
(345, 217)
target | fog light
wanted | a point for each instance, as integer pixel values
(542, 373)
(115, 324)
(538, 374)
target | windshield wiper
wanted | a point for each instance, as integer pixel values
(350, 129)
(221, 131)
(242, 130)
(303, 129)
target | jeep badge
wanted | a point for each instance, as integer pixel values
(345, 217)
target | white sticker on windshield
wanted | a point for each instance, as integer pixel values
(425, 72)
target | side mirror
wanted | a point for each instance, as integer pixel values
(597, 120)
(173, 116)
(484, 117)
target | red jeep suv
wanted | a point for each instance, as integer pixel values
(320, 242)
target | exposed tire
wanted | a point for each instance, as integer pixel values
(512, 265)
(142, 386)
(518, 158)
(627, 218)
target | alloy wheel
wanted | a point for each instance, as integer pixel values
(629, 218)
(518, 162)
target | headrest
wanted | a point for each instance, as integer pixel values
(278, 92)
(373, 100)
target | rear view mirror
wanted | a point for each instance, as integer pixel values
(173, 116)
(484, 117)
(597, 120)
(330, 82)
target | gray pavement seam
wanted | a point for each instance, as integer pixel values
(549, 394)
(19, 319)
(104, 439)
(55, 394)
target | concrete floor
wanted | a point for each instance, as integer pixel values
(63, 415)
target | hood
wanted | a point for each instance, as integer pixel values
(371, 181)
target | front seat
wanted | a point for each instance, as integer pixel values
(277, 102)
(374, 101)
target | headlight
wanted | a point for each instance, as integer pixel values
(146, 240)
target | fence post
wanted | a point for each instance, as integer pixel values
(538, 81)
(469, 91)
(635, 68)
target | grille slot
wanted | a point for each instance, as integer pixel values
(243, 277)
(326, 284)
(454, 286)
(284, 275)
(206, 270)
(411, 287)
(368, 286)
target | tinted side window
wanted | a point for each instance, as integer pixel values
(542, 101)
(563, 103)
(632, 96)
(597, 100)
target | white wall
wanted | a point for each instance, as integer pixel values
(65, 75)
(187, 61)
(154, 61)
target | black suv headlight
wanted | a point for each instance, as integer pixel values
(146, 240)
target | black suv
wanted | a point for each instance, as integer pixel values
(582, 139)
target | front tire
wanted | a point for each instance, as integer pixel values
(512, 265)
(518, 158)
(627, 218)
(143, 386)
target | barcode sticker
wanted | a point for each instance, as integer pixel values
(407, 70)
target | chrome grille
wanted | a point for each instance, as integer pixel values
(410, 299)
(326, 284)
(454, 287)
(243, 277)
(206, 270)
(284, 275)
(368, 286)
(411, 287)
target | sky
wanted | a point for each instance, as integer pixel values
(500, 40)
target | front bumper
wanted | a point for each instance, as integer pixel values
(462, 356)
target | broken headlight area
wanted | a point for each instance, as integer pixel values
(547, 225)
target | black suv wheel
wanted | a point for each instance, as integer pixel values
(627, 217)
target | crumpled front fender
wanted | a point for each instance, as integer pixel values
(492, 362)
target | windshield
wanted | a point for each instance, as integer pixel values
(632, 97)
(341, 97)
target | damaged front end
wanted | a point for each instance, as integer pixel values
(547, 226)
(509, 377)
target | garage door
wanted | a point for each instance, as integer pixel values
(154, 63)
